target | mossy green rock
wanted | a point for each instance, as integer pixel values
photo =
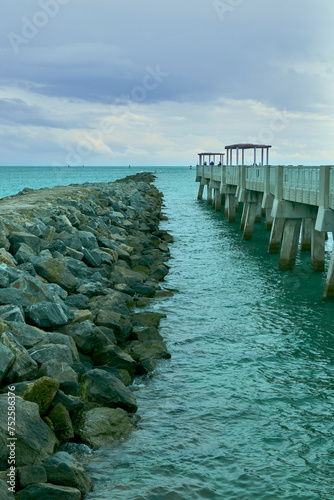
(105, 425)
(42, 392)
(62, 424)
(55, 272)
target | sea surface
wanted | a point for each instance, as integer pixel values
(244, 409)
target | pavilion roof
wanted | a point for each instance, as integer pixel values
(247, 146)
(211, 153)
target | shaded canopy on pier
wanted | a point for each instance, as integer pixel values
(241, 147)
(204, 157)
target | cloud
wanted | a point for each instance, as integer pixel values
(169, 77)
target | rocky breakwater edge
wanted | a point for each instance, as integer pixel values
(78, 267)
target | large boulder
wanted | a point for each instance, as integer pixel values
(12, 313)
(54, 271)
(44, 353)
(28, 336)
(88, 337)
(4, 492)
(63, 469)
(103, 388)
(31, 474)
(16, 238)
(6, 360)
(62, 423)
(148, 349)
(58, 370)
(48, 492)
(35, 440)
(23, 367)
(42, 392)
(115, 357)
(61, 339)
(47, 314)
(6, 257)
(120, 325)
(150, 319)
(104, 425)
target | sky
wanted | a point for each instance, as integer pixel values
(155, 82)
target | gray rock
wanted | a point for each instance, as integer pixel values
(101, 387)
(57, 290)
(70, 402)
(23, 367)
(16, 238)
(148, 349)
(8, 275)
(6, 360)
(70, 240)
(143, 333)
(90, 288)
(88, 240)
(60, 338)
(35, 440)
(34, 290)
(24, 253)
(78, 268)
(160, 272)
(92, 258)
(4, 493)
(114, 356)
(58, 370)
(4, 243)
(48, 492)
(31, 474)
(150, 319)
(127, 276)
(123, 375)
(54, 271)
(88, 337)
(47, 314)
(6, 257)
(12, 313)
(28, 336)
(120, 325)
(144, 290)
(77, 301)
(104, 425)
(44, 353)
(63, 469)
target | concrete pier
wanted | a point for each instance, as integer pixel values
(296, 203)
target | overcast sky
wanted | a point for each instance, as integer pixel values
(154, 82)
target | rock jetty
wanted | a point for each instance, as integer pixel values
(78, 266)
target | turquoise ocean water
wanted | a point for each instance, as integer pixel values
(244, 408)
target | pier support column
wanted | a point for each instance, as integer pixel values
(317, 249)
(209, 195)
(243, 216)
(230, 200)
(258, 215)
(276, 235)
(252, 210)
(200, 191)
(290, 243)
(218, 200)
(329, 286)
(307, 228)
(269, 219)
